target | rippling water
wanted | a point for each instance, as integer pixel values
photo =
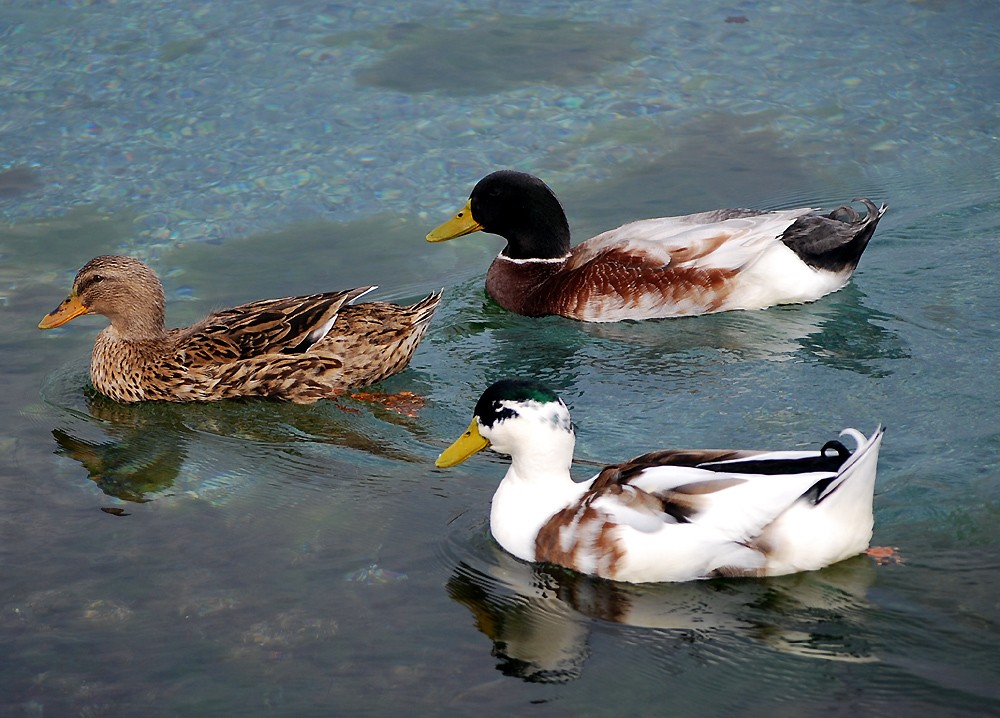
(262, 559)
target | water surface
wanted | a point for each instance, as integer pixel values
(263, 559)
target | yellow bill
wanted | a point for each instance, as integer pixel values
(469, 443)
(462, 223)
(70, 308)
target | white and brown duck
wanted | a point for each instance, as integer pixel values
(667, 267)
(673, 515)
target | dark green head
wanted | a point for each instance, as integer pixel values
(523, 210)
(494, 404)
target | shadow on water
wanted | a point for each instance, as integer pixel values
(723, 160)
(61, 244)
(305, 257)
(18, 181)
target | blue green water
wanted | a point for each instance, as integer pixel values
(261, 559)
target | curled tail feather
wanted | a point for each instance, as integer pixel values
(834, 242)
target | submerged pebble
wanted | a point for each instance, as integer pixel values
(289, 629)
(374, 574)
(107, 611)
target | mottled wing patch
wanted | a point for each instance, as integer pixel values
(273, 348)
(579, 537)
(271, 326)
(584, 536)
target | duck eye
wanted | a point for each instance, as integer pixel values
(98, 278)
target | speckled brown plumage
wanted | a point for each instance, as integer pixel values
(297, 349)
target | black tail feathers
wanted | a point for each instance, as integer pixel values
(834, 242)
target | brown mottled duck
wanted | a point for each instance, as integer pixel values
(297, 349)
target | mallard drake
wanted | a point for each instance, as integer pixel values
(667, 267)
(298, 349)
(671, 515)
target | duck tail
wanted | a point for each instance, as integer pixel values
(422, 311)
(419, 318)
(852, 491)
(834, 242)
(398, 344)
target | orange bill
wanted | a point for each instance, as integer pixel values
(70, 308)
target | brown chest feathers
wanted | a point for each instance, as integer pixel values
(612, 281)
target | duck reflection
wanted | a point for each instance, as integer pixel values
(141, 455)
(121, 471)
(853, 336)
(482, 335)
(838, 331)
(134, 452)
(539, 618)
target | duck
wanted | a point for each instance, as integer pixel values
(669, 515)
(297, 349)
(702, 263)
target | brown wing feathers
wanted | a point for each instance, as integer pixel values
(289, 325)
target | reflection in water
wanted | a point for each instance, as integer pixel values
(857, 341)
(539, 618)
(134, 452)
(125, 470)
(482, 337)
(838, 331)
(142, 455)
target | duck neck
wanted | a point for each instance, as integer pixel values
(541, 232)
(540, 242)
(141, 319)
(547, 459)
(537, 485)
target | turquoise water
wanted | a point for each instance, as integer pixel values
(261, 559)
